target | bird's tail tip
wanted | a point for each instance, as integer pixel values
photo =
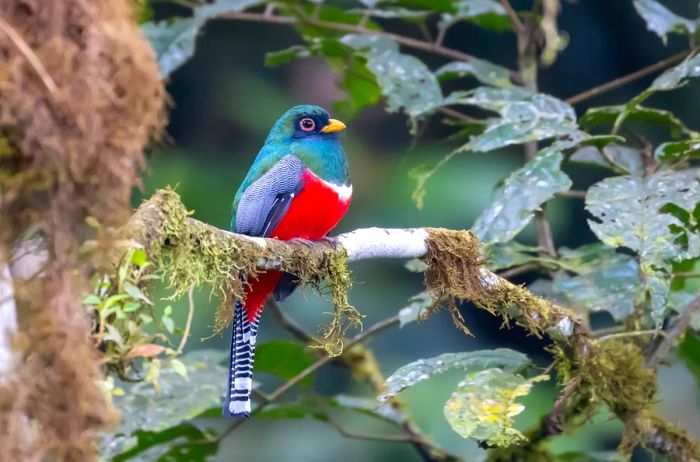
(237, 409)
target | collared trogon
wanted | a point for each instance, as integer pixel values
(297, 187)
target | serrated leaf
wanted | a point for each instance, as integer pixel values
(405, 81)
(678, 151)
(625, 157)
(610, 284)
(422, 369)
(663, 21)
(283, 358)
(174, 41)
(513, 209)
(484, 71)
(484, 404)
(524, 116)
(416, 305)
(630, 212)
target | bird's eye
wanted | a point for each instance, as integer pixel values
(307, 124)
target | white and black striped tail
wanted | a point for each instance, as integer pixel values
(240, 375)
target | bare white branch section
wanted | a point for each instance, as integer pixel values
(367, 243)
(8, 320)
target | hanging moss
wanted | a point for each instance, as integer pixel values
(193, 253)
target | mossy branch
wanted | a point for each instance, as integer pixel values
(610, 373)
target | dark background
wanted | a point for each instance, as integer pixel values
(225, 100)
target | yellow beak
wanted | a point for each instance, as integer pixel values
(334, 125)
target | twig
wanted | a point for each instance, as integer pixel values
(287, 323)
(674, 333)
(572, 194)
(188, 323)
(629, 78)
(366, 436)
(635, 333)
(518, 270)
(685, 275)
(29, 55)
(514, 19)
(322, 361)
(417, 44)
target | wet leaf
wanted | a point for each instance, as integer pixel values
(678, 151)
(178, 399)
(506, 255)
(488, 14)
(608, 115)
(484, 71)
(416, 305)
(182, 443)
(174, 40)
(610, 284)
(663, 21)
(524, 116)
(422, 369)
(405, 81)
(484, 404)
(523, 193)
(634, 212)
(625, 157)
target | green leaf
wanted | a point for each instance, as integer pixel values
(283, 358)
(484, 404)
(299, 409)
(506, 255)
(608, 115)
(139, 257)
(180, 443)
(633, 212)
(92, 299)
(168, 323)
(541, 178)
(174, 41)
(678, 151)
(689, 353)
(488, 14)
(416, 305)
(610, 284)
(135, 293)
(405, 81)
(663, 21)
(277, 58)
(618, 158)
(678, 301)
(178, 399)
(422, 369)
(179, 367)
(484, 71)
(524, 116)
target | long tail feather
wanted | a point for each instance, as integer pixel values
(240, 376)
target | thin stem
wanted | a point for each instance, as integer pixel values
(626, 79)
(410, 42)
(514, 19)
(572, 194)
(686, 275)
(634, 333)
(188, 323)
(287, 323)
(322, 361)
(518, 270)
(674, 333)
(366, 436)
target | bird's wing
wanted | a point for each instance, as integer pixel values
(267, 199)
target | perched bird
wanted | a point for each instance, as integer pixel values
(297, 187)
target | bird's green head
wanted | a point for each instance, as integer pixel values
(304, 123)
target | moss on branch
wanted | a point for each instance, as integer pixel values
(609, 373)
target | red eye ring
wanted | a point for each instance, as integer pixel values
(307, 124)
